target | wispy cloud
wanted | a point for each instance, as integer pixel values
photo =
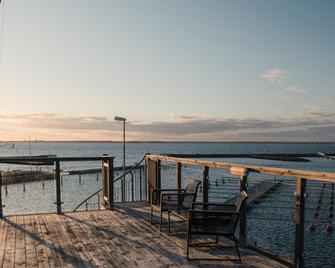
(290, 91)
(319, 105)
(274, 75)
(311, 125)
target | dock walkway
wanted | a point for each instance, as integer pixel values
(119, 238)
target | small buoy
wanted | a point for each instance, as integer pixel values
(316, 214)
(331, 202)
(222, 181)
(319, 201)
(329, 228)
(312, 227)
(216, 182)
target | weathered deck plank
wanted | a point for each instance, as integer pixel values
(20, 252)
(31, 255)
(120, 238)
(3, 237)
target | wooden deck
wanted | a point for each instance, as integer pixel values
(120, 238)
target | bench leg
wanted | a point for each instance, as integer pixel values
(188, 244)
(169, 222)
(161, 220)
(151, 212)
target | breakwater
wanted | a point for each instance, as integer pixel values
(19, 176)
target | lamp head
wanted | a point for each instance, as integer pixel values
(119, 118)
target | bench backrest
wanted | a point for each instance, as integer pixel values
(191, 187)
(239, 200)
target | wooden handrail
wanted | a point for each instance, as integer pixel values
(310, 175)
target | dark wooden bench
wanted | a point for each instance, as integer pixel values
(175, 201)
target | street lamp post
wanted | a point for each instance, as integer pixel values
(122, 119)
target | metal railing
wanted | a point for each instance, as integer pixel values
(130, 190)
(290, 201)
(135, 183)
(107, 165)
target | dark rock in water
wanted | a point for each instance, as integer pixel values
(256, 201)
(329, 228)
(312, 227)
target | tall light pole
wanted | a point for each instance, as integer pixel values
(122, 119)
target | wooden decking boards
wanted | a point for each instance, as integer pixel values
(120, 238)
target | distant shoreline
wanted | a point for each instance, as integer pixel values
(209, 142)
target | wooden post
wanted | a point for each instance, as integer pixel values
(145, 183)
(158, 174)
(178, 180)
(243, 173)
(205, 184)
(104, 180)
(58, 189)
(153, 176)
(1, 213)
(299, 222)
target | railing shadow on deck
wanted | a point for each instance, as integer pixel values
(58, 250)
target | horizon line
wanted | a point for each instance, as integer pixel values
(163, 141)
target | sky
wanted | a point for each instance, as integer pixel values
(190, 70)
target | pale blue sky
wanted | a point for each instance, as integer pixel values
(178, 70)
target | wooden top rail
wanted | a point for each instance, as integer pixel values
(52, 158)
(311, 175)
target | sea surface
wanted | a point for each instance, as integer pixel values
(270, 221)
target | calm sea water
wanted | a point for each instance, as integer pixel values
(270, 223)
(134, 151)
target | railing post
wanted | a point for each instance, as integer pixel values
(107, 182)
(178, 180)
(243, 212)
(243, 173)
(153, 176)
(141, 188)
(132, 186)
(58, 187)
(299, 222)
(205, 184)
(1, 212)
(158, 174)
(104, 180)
(110, 183)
